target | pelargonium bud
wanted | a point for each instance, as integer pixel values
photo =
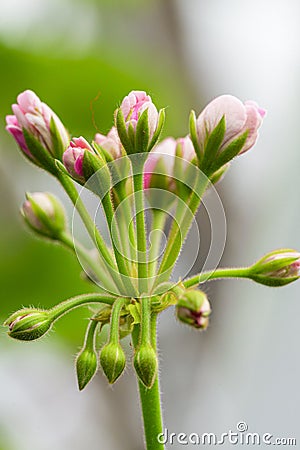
(40, 122)
(44, 213)
(28, 324)
(110, 144)
(86, 366)
(145, 364)
(193, 308)
(138, 122)
(225, 128)
(73, 157)
(112, 360)
(277, 268)
(166, 166)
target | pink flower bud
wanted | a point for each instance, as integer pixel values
(134, 104)
(162, 159)
(73, 157)
(239, 118)
(277, 268)
(35, 117)
(44, 214)
(194, 309)
(110, 143)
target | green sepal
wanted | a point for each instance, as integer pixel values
(142, 133)
(122, 132)
(96, 173)
(157, 133)
(41, 155)
(272, 281)
(61, 167)
(135, 311)
(213, 144)
(218, 175)
(113, 361)
(145, 364)
(57, 143)
(100, 151)
(226, 155)
(194, 137)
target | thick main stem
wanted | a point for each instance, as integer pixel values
(140, 230)
(150, 398)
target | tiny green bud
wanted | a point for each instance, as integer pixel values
(44, 214)
(193, 308)
(86, 367)
(28, 324)
(145, 364)
(112, 360)
(277, 268)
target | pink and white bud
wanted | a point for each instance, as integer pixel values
(35, 117)
(161, 160)
(44, 213)
(134, 104)
(110, 143)
(277, 268)
(239, 118)
(194, 309)
(73, 157)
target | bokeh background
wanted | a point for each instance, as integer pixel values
(82, 57)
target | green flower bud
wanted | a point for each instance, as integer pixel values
(112, 360)
(277, 268)
(193, 308)
(145, 364)
(28, 324)
(86, 367)
(44, 214)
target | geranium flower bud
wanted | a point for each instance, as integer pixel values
(225, 128)
(138, 122)
(277, 268)
(44, 213)
(145, 364)
(110, 144)
(28, 324)
(40, 122)
(112, 360)
(73, 158)
(86, 366)
(193, 308)
(166, 168)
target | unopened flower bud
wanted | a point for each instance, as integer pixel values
(44, 213)
(224, 129)
(86, 366)
(28, 324)
(277, 268)
(145, 364)
(110, 144)
(73, 158)
(112, 360)
(193, 308)
(138, 122)
(40, 122)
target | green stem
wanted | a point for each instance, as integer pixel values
(158, 223)
(100, 271)
(62, 308)
(93, 231)
(115, 320)
(150, 398)
(140, 230)
(241, 272)
(90, 335)
(115, 239)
